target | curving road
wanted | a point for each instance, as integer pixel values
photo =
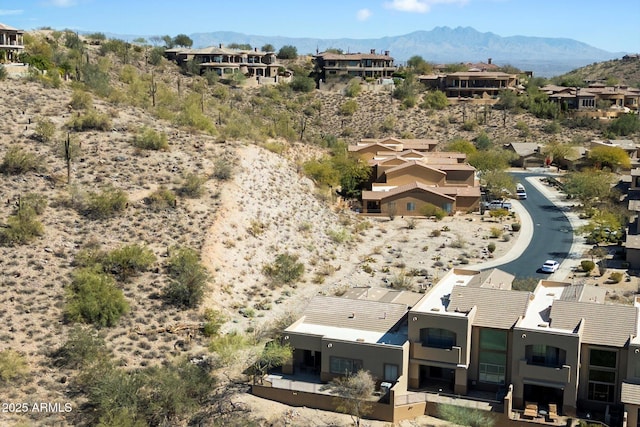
(552, 233)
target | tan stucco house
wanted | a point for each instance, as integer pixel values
(11, 43)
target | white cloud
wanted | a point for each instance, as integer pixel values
(63, 3)
(363, 14)
(419, 6)
(11, 12)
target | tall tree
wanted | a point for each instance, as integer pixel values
(353, 393)
(182, 40)
(610, 157)
(288, 52)
(589, 186)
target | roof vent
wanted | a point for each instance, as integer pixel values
(435, 309)
(543, 325)
(360, 339)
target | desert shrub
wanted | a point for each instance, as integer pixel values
(552, 127)
(349, 107)
(516, 226)
(81, 100)
(82, 348)
(469, 125)
(458, 242)
(45, 130)
(436, 233)
(149, 139)
(106, 203)
(616, 277)
(17, 161)
(188, 278)
(192, 185)
(285, 269)
(587, 265)
(525, 284)
(430, 210)
(222, 169)
(228, 346)
(214, 320)
(91, 120)
(3, 72)
(94, 298)
(128, 261)
(13, 366)
(353, 88)
(491, 247)
(436, 100)
(498, 213)
(340, 235)
(22, 227)
(274, 147)
(495, 232)
(303, 84)
(96, 78)
(523, 127)
(506, 237)
(161, 198)
(402, 280)
(463, 416)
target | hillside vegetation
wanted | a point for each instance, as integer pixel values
(614, 72)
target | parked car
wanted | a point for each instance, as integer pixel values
(497, 204)
(521, 192)
(550, 266)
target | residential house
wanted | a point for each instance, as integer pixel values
(527, 154)
(474, 83)
(11, 43)
(370, 65)
(367, 149)
(224, 61)
(620, 98)
(556, 346)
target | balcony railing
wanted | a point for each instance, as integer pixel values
(558, 374)
(451, 355)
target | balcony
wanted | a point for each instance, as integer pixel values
(554, 374)
(451, 355)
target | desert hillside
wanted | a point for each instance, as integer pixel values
(228, 185)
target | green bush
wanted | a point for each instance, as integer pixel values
(3, 72)
(515, 226)
(463, 416)
(213, 322)
(616, 277)
(491, 247)
(303, 84)
(82, 348)
(587, 265)
(285, 269)
(353, 88)
(94, 298)
(192, 186)
(91, 120)
(162, 198)
(436, 100)
(22, 227)
(107, 203)
(349, 107)
(45, 130)
(430, 210)
(81, 100)
(188, 278)
(17, 161)
(13, 366)
(149, 139)
(128, 261)
(223, 169)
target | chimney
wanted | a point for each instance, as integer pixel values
(220, 45)
(255, 49)
(489, 61)
(386, 53)
(373, 51)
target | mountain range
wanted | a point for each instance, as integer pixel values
(543, 55)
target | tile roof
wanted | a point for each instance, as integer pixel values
(351, 56)
(524, 148)
(4, 27)
(412, 163)
(381, 195)
(496, 308)
(353, 313)
(598, 327)
(630, 393)
(491, 279)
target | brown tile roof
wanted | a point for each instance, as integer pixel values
(360, 147)
(489, 74)
(599, 328)
(630, 393)
(354, 313)
(496, 308)
(381, 195)
(4, 27)
(412, 163)
(523, 149)
(458, 191)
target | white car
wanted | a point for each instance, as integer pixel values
(550, 266)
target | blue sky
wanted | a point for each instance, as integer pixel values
(612, 25)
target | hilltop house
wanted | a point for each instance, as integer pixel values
(553, 348)
(223, 61)
(475, 83)
(365, 65)
(406, 175)
(11, 43)
(621, 98)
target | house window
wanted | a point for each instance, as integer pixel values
(411, 206)
(343, 365)
(493, 356)
(447, 207)
(491, 339)
(543, 355)
(602, 375)
(437, 338)
(390, 372)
